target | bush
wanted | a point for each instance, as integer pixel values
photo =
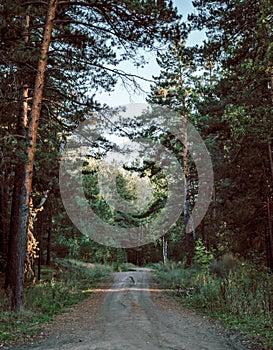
(202, 257)
(224, 265)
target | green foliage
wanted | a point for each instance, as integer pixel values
(174, 87)
(202, 257)
(234, 116)
(239, 121)
(59, 288)
(84, 249)
(125, 189)
(241, 296)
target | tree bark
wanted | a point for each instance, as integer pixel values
(40, 240)
(3, 224)
(17, 245)
(3, 214)
(270, 236)
(267, 39)
(24, 172)
(189, 240)
(49, 237)
(188, 236)
(165, 249)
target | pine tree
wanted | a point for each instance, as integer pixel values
(174, 88)
(21, 200)
(239, 40)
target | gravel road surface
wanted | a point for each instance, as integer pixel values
(131, 314)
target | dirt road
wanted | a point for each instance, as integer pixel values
(131, 315)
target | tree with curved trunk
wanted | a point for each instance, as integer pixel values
(24, 172)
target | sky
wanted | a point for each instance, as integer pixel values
(120, 96)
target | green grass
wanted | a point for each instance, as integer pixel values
(58, 289)
(241, 298)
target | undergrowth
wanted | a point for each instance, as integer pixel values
(59, 288)
(239, 294)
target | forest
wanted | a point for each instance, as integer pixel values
(56, 58)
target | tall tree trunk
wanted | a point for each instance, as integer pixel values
(3, 213)
(188, 236)
(24, 174)
(3, 224)
(17, 245)
(165, 249)
(269, 236)
(186, 196)
(269, 207)
(40, 240)
(49, 236)
(19, 209)
(267, 39)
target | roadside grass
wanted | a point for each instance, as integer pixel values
(241, 296)
(60, 287)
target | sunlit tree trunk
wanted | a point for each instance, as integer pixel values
(24, 171)
(165, 249)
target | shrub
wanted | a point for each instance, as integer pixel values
(224, 265)
(202, 257)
